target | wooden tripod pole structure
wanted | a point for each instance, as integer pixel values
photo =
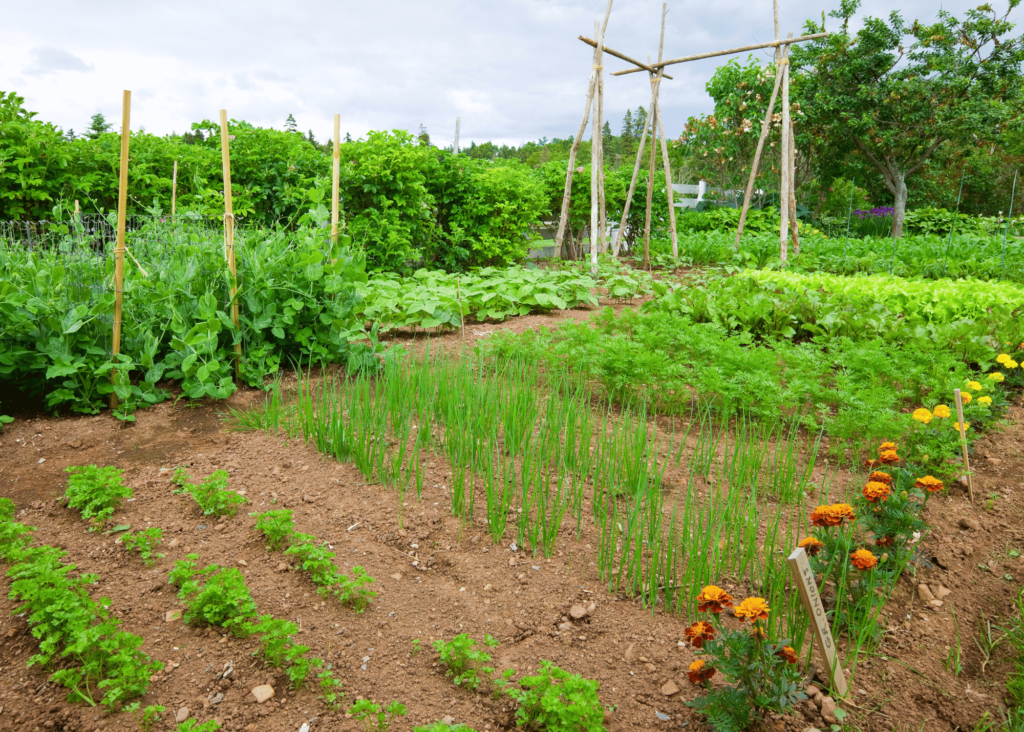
(563, 219)
(664, 149)
(596, 158)
(229, 235)
(784, 167)
(174, 189)
(335, 179)
(122, 208)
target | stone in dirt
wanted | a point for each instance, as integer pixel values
(282, 567)
(220, 527)
(994, 461)
(182, 715)
(630, 653)
(969, 524)
(828, 710)
(173, 543)
(670, 688)
(941, 592)
(396, 576)
(578, 612)
(565, 626)
(448, 719)
(924, 593)
(171, 615)
(262, 693)
(813, 691)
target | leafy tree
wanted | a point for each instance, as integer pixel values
(33, 161)
(97, 126)
(897, 93)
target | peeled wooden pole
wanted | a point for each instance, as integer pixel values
(602, 211)
(726, 52)
(122, 208)
(563, 219)
(229, 232)
(595, 158)
(335, 179)
(624, 57)
(784, 167)
(455, 147)
(650, 188)
(664, 150)
(794, 226)
(765, 128)
(174, 189)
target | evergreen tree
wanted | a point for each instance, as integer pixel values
(348, 137)
(290, 124)
(639, 121)
(424, 136)
(627, 143)
(97, 126)
(70, 134)
(310, 137)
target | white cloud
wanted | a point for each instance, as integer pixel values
(49, 60)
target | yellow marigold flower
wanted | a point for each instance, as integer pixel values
(879, 477)
(941, 411)
(974, 386)
(753, 608)
(985, 400)
(1002, 358)
(889, 457)
(875, 492)
(712, 599)
(841, 512)
(863, 559)
(885, 446)
(698, 672)
(929, 483)
(996, 376)
(923, 415)
(811, 545)
(1011, 364)
(965, 397)
(967, 426)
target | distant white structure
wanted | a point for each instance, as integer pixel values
(681, 189)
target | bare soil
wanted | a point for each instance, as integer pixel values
(436, 578)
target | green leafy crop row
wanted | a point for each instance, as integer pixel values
(101, 663)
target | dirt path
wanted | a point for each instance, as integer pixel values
(437, 578)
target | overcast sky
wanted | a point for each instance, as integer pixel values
(513, 70)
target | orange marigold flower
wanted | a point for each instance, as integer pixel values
(712, 599)
(929, 483)
(863, 559)
(870, 463)
(757, 633)
(812, 545)
(788, 653)
(886, 446)
(841, 512)
(941, 411)
(699, 672)
(698, 633)
(753, 608)
(889, 457)
(875, 492)
(886, 541)
(879, 477)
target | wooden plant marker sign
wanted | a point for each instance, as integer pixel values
(963, 441)
(805, 581)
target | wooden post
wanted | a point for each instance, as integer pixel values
(595, 156)
(592, 88)
(726, 52)
(784, 166)
(174, 189)
(122, 209)
(963, 442)
(602, 214)
(794, 224)
(664, 149)
(335, 180)
(808, 587)
(650, 186)
(229, 232)
(765, 128)
(455, 148)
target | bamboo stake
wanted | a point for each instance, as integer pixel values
(726, 52)
(784, 182)
(122, 209)
(564, 217)
(229, 232)
(174, 189)
(595, 159)
(335, 180)
(664, 150)
(963, 442)
(650, 186)
(794, 226)
(765, 128)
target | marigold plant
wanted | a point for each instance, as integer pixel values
(941, 411)
(812, 545)
(879, 477)
(698, 633)
(929, 483)
(863, 559)
(712, 599)
(875, 492)
(923, 415)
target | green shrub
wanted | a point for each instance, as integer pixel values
(277, 526)
(212, 494)
(145, 542)
(462, 662)
(96, 492)
(275, 638)
(318, 562)
(222, 600)
(374, 718)
(557, 701)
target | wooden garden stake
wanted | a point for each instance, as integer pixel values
(229, 232)
(793, 224)
(122, 208)
(808, 587)
(462, 320)
(174, 189)
(602, 216)
(963, 442)
(455, 147)
(784, 166)
(563, 219)
(335, 179)
(596, 159)
(650, 186)
(664, 149)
